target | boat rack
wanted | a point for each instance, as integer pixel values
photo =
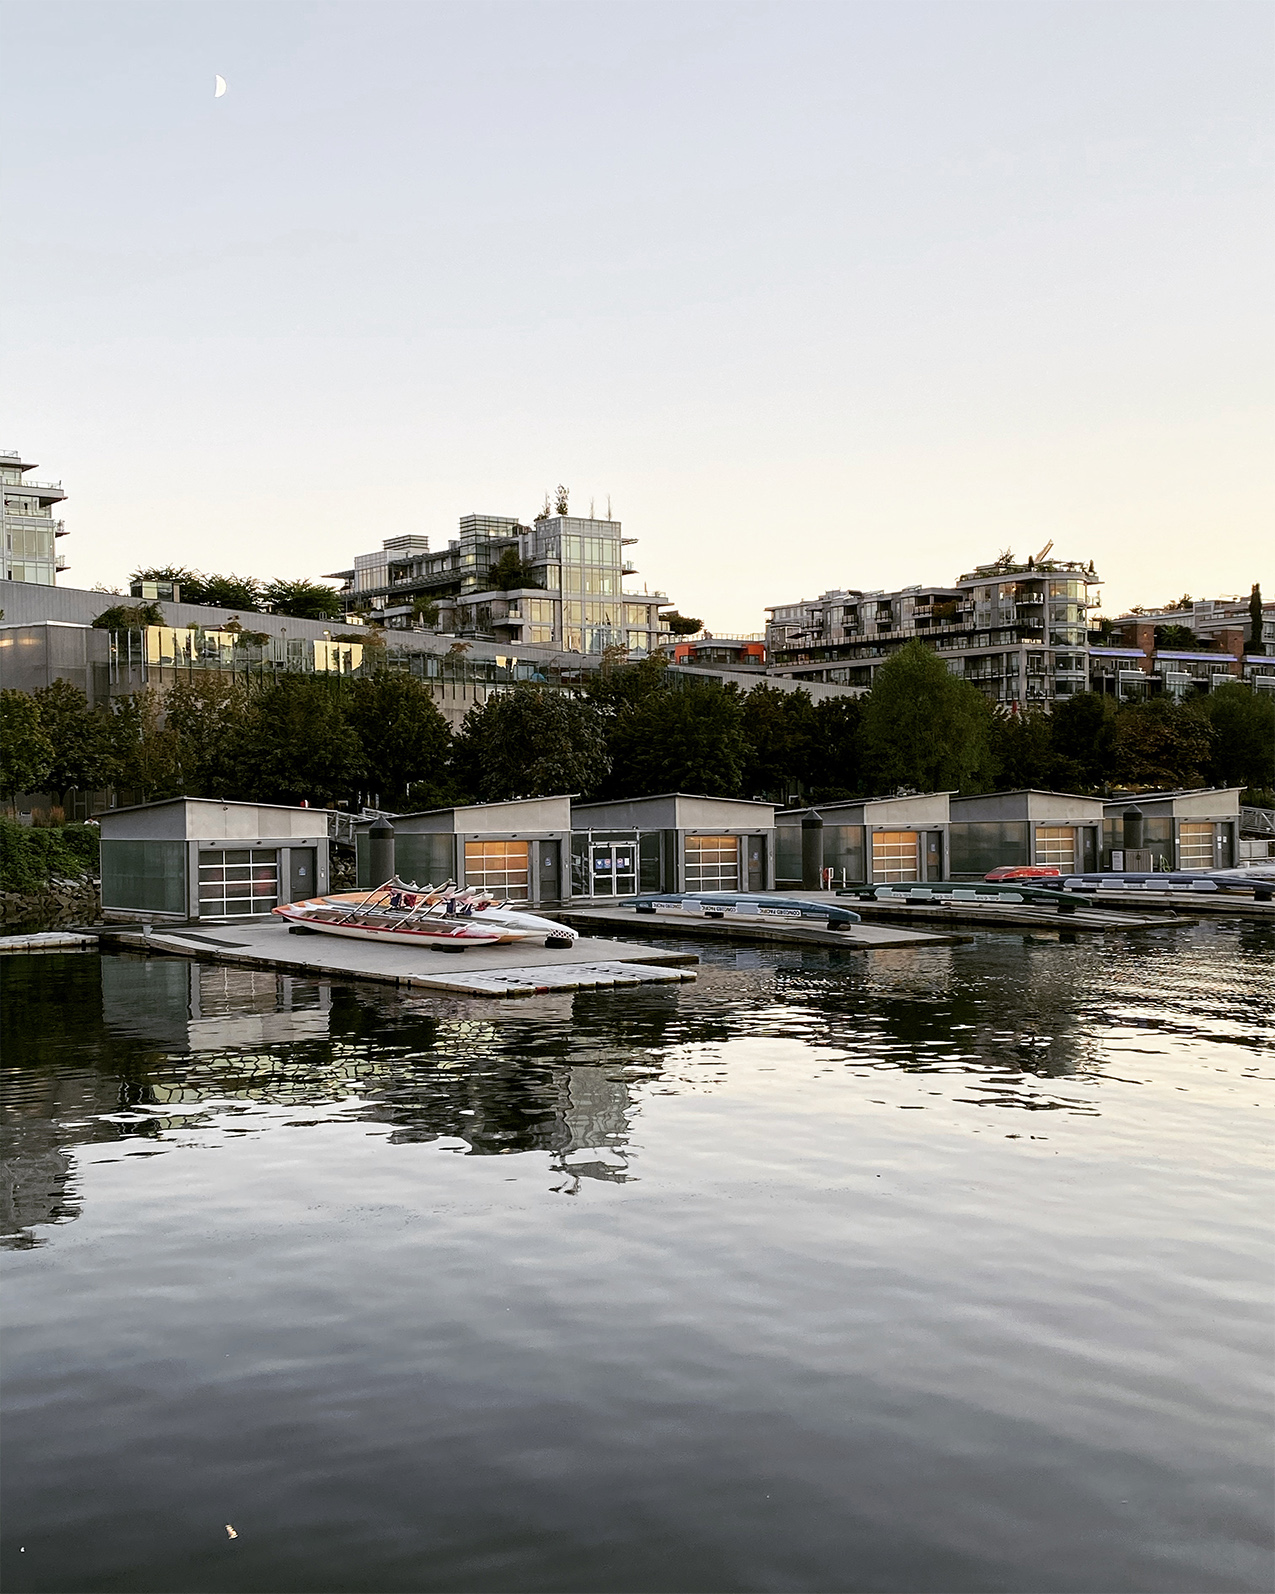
(717, 904)
(961, 891)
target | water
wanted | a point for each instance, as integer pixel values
(917, 1271)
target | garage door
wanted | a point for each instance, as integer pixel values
(1195, 846)
(896, 855)
(1056, 844)
(712, 863)
(501, 867)
(236, 883)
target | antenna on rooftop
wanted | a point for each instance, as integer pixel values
(608, 506)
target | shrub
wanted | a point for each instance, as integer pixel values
(31, 857)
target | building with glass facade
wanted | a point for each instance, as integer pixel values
(553, 849)
(1016, 630)
(565, 590)
(28, 530)
(197, 858)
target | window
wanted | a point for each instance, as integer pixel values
(1195, 846)
(237, 883)
(501, 867)
(712, 863)
(1056, 844)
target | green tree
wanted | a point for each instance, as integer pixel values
(81, 744)
(204, 715)
(922, 726)
(304, 600)
(681, 624)
(533, 741)
(625, 684)
(143, 747)
(686, 738)
(779, 732)
(1022, 750)
(129, 617)
(836, 763)
(1084, 741)
(509, 573)
(293, 744)
(1243, 726)
(1179, 638)
(405, 739)
(1162, 743)
(26, 751)
(230, 592)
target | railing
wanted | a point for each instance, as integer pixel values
(1257, 821)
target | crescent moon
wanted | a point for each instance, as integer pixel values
(221, 86)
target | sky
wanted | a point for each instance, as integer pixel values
(820, 295)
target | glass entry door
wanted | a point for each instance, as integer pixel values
(613, 865)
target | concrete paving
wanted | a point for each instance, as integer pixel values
(519, 968)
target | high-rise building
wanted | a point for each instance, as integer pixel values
(30, 532)
(558, 583)
(1016, 629)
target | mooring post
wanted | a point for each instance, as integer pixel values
(380, 852)
(812, 852)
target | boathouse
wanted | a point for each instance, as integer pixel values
(873, 840)
(1050, 828)
(671, 842)
(515, 849)
(1172, 830)
(198, 858)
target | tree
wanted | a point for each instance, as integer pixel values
(424, 612)
(681, 624)
(779, 730)
(143, 748)
(81, 747)
(686, 738)
(1243, 726)
(1178, 637)
(509, 573)
(405, 740)
(1022, 750)
(129, 617)
(626, 683)
(203, 715)
(293, 743)
(1162, 743)
(1256, 645)
(922, 727)
(532, 741)
(1084, 741)
(560, 499)
(26, 751)
(304, 600)
(835, 754)
(230, 592)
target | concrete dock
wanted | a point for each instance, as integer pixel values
(520, 968)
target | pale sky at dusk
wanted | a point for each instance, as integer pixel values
(821, 295)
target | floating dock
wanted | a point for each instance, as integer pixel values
(520, 968)
(730, 927)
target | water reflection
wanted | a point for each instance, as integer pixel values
(123, 1047)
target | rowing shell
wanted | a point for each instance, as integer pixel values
(336, 919)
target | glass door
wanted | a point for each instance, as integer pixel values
(613, 865)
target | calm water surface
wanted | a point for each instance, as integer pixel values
(932, 1271)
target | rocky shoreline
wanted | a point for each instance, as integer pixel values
(59, 901)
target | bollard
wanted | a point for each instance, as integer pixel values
(812, 852)
(380, 852)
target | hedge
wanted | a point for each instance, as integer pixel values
(30, 855)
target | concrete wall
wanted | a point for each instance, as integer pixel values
(675, 811)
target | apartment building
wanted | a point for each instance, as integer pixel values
(558, 583)
(1016, 629)
(1182, 652)
(28, 530)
